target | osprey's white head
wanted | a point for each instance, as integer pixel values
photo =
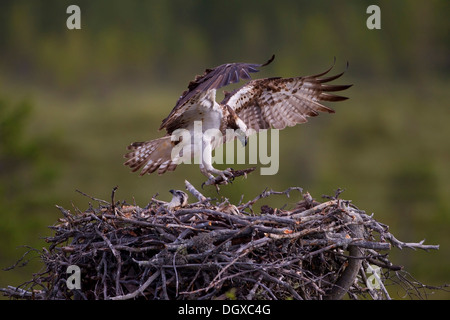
(179, 199)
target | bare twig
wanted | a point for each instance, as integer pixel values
(140, 290)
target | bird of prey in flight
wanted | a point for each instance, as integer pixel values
(259, 104)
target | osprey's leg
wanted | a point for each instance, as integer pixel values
(209, 171)
(214, 175)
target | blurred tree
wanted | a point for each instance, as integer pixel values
(23, 171)
(155, 39)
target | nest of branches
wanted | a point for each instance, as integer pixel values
(218, 250)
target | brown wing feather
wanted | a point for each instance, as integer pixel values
(211, 79)
(281, 102)
(151, 156)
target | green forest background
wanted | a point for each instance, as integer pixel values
(72, 100)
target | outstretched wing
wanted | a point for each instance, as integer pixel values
(281, 102)
(203, 85)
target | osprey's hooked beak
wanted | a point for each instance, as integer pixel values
(238, 125)
(242, 137)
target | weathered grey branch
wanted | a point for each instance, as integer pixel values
(195, 192)
(342, 285)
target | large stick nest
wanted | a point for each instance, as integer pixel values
(219, 251)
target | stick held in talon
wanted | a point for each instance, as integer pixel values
(220, 180)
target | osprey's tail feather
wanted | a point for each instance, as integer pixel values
(151, 156)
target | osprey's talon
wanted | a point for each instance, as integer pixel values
(211, 181)
(223, 177)
(229, 172)
(227, 175)
(225, 180)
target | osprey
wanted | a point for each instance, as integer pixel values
(260, 104)
(179, 199)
